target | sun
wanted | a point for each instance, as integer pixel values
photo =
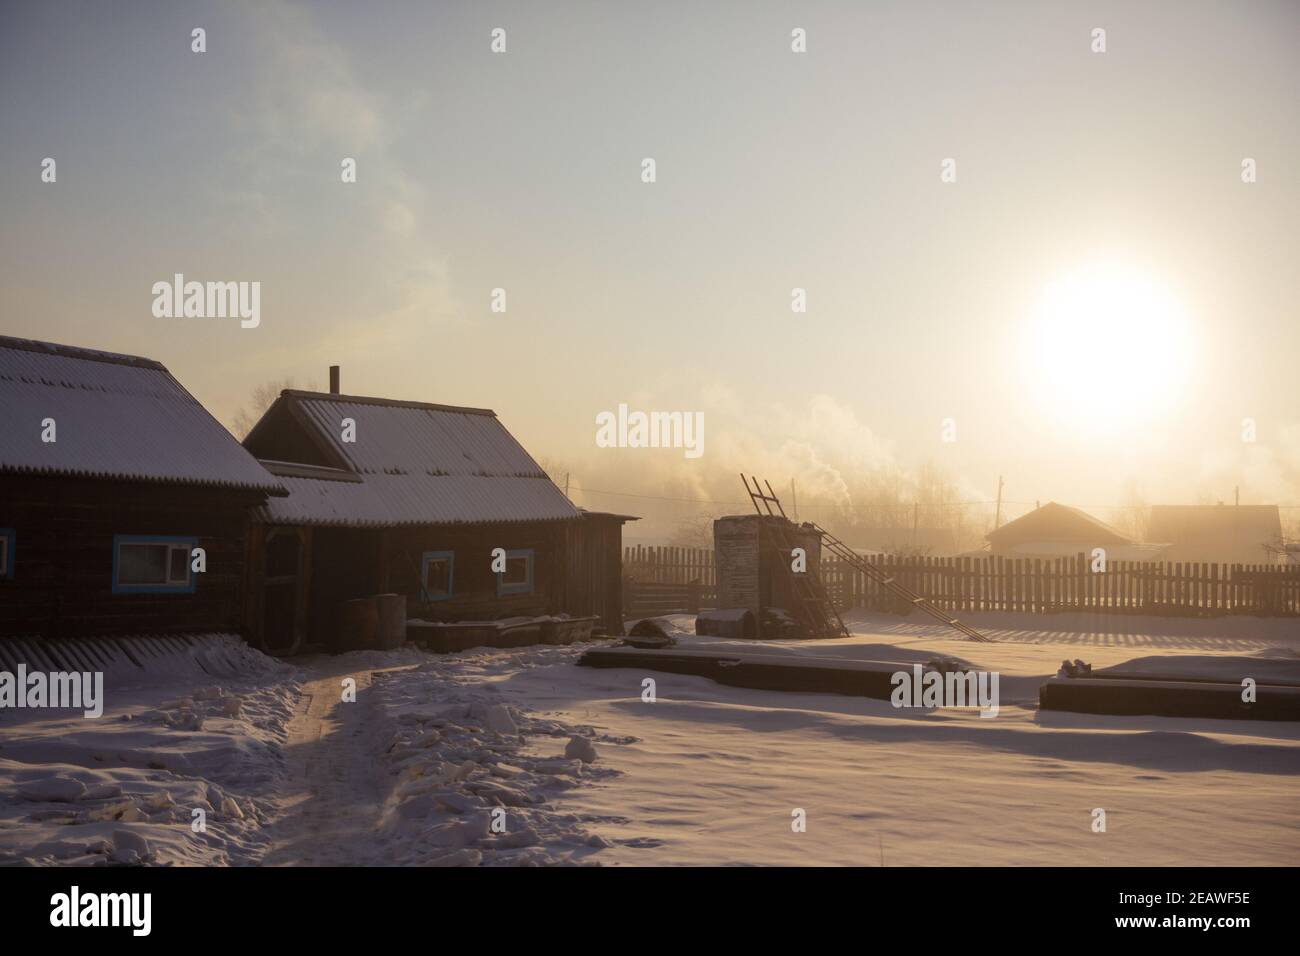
(1107, 348)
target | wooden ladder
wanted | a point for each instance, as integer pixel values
(850, 557)
(846, 554)
(814, 609)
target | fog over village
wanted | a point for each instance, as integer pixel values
(586, 433)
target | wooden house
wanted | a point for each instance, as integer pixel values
(123, 503)
(1219, 534)
(437, 503)
(1059, 531)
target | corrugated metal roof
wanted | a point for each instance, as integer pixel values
(408, 438)
(421, 464)
(386, 501)
(116, 416)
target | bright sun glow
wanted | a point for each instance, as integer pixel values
(1108, 349)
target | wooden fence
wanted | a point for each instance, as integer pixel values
(665, 580)
(662, 579)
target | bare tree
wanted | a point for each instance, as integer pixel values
(556, 469)
(1133, 515)
(263, 396)
(695, 531)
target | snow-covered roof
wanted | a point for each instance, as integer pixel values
(1057, 522)
(385, 501)
(115, 416)
(411, 463)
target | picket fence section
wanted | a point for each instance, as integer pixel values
(662, 579)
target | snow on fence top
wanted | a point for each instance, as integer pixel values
(411, 463)
(115, 416)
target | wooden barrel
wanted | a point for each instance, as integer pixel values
(359, 627)
(391, 609)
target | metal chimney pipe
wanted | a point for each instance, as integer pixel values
(334, 380)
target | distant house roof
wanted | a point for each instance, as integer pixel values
(1055, 522)
(1218, 533)
(411, 463)
(116, 417)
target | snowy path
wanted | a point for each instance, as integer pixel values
(417, 768)
(334, 791)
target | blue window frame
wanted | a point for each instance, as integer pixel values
(437, 571)
(152, 564)
(7, 539)
(517, 578)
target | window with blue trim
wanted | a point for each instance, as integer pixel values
(517, 578)
(152, 564)
(7, 538)
(437, 570)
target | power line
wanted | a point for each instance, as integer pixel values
(947, 506)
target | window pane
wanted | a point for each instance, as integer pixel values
(516, 570)
(142, 564)
(4, 555)
(437, 577)
(180, 572)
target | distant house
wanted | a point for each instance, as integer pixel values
(115, 485)
(1056, 531)
(1220, 534)
(389, 496)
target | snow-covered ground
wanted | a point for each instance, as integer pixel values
(507, 757)
(123, 787)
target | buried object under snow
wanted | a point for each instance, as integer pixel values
(652, 633)
(1169, 698)
(735, 622)
(829, 675)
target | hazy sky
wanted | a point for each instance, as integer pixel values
(926, 300)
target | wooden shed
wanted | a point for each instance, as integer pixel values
(593, 578)
(437, 503)
(123, 503)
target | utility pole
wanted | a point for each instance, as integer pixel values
(997, 518)
(794, 501)
(916, 508)
(566, 484)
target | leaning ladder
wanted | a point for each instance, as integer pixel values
(842, 551)
(846, 554)
(815, 610)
